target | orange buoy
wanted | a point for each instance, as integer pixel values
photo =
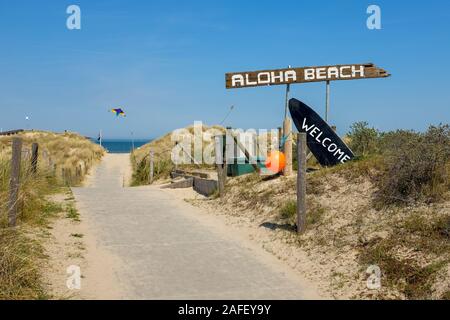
(276, 161)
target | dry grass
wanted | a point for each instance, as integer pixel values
(346, 233)
(348, 230)
(67, 156)
(163, 164)
(19, 270)
(21, 252)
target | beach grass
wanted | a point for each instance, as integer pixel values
(64, 160)
(162, 149)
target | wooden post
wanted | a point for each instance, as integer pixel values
(34, 157)
(14, 181)
(176, 162)
(301, 182)
(63, 175)
(287, 131)
(150, 173)
(327, 101)
(230, 147)
(221, 165)
(280, 139)
(246, 154)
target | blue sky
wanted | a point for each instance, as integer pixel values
(164, 62)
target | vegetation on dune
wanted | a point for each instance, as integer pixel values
(163, 163)
(427, 235)
(389, 207)
(67, 156)
(412, 166)
(408, 170)
(21, 252)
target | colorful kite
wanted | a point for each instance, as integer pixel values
(118, 112)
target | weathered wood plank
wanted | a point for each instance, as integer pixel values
(236, 80)
(34, 157)
(14, 181)
(301, 182)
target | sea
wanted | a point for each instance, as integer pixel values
(122, 145)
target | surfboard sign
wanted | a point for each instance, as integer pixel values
(322, 140)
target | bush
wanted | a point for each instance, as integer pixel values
(289, 210)
(161, 170)
(416, 166)
(363, 139)
(314, 214)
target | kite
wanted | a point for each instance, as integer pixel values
(118, 112)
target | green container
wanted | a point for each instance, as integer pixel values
(239, 168)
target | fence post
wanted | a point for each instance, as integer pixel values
(34, 157)
(176, 162)
(301, 182)
(14, 181)
(280, 139)
(150, 174)
(221, 164)
(287, 131)
(63, 175)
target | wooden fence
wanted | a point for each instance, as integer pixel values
(208, 187)
(19, 154)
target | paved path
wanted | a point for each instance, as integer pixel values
(168, 252)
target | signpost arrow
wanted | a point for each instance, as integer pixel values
(303, 75)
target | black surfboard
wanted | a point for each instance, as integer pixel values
(323, 142)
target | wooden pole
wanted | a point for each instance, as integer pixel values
(287, 131)
(280, 139)
(176, 162)
(150, 174)
(34, 157)
(230, 147)
(220, 164)
(327, 101)
(63, 175)
(301, 182)
(14, 181)
(286, 102)
(247, 154)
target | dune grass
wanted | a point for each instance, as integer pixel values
(67, 156)
(21, 251)
(163, 164)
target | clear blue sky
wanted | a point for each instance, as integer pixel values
(164, 62)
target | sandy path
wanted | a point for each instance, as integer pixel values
(163, 248)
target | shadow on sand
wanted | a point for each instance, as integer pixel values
(276, 226)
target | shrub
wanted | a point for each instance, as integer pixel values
(161, 170)
(363, 139)
(416, 166)
(393, 140)
(289, 210)
(315, 212)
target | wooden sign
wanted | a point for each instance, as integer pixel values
(303, 75)
(323, 142)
